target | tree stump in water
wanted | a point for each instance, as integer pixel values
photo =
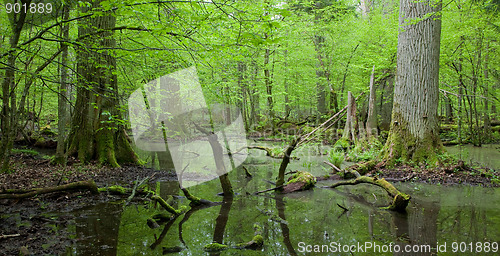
(299, 181)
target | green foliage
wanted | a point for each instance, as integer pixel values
(30, 152)
(336, 157)
(364, 152)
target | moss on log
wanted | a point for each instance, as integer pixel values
(166, 206)
(299, 181)
(214, 247)
(80, 185)
(400, 200)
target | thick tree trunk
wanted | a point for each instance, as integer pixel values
(414, 133)
(95, 132)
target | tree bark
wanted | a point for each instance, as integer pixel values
(8, 115)
(60, 157)
(269, 88)
(371, 120)
(351, 124)
(414, 133)
(95, 132)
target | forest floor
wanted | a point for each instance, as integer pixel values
(35, 230)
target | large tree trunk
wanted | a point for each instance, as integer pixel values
(95, 133)
(414, 133)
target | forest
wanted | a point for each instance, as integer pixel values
(122, 119)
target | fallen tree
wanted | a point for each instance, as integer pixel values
(400, 200)
(20, 194)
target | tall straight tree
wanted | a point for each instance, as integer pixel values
(95, 131)
(414, 133)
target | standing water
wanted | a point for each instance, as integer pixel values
(448, 218)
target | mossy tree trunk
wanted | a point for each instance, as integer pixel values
(414, 133)
(95, 132)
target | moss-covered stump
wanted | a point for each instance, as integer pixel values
(214, 247)
(255, 244)
(299, 181)
(257, 241)
(400, 200)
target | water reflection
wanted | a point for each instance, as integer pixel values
(436, 214)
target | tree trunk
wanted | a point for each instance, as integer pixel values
(486, 115)
(60, 157)
(351, 124)
(320, 76)
(8, 116)
(414, 133)
(95, 132)
(371, 120)
(254, 98)
(269, 88)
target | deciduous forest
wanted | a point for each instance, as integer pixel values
(248, 127)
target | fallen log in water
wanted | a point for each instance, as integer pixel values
(400, 200)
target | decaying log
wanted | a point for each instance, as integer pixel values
(80, 185)
(165, 205)
(299, 181)
(400, 200)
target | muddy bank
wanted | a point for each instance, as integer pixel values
(32, 225)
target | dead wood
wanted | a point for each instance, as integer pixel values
(80, 185)
(400, 200)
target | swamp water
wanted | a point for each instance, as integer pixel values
(436, 215)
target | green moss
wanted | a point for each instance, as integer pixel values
(305, 177)
(257, 228)
(214, 247)
(114, 189)
(105, 148)
(258, 239)
(25, 151)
